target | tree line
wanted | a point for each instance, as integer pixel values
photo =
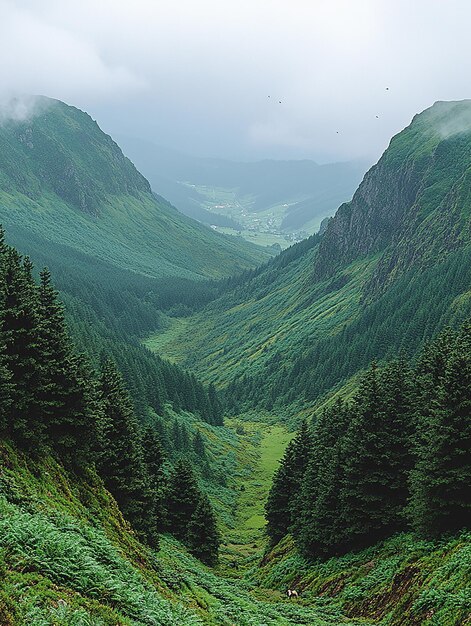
(395, 457)
(413, 309)
(52, 401)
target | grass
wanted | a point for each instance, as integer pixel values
(401, 581)
(261, 446)
(163, 341)
(67, 558)
(237, 334)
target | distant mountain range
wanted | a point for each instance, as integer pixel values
(278, 197)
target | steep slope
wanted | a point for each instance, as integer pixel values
(392, 268)
(414, 202)
(63, 179)
(67, 558)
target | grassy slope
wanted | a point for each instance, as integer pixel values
(137, 234)
(67, 558)
(403, 581)
(392, 269)
(239, 333)
(64, 179)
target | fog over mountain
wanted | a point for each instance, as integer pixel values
(245, 80)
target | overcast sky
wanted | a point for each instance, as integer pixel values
(207, 76)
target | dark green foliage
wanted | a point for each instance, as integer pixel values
(215, 406)
(287, 482)
(376, 453)
(182, 496)
(66, 391)
(441, 480)
(154, 458)
(198, 445)
(399, 454)
(203, 537)
(190, 516)
(20, 329)
(121, 459)
(318, 523)
(405, 317)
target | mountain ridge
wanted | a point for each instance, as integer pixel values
(407, 225)
(66, 180)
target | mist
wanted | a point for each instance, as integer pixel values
(245, 80)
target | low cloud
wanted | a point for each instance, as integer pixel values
(38, 56)
(328, 80)
(20, 108)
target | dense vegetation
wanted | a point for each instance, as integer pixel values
(395, 457)
(62, 179)
(390, 271)
(374, 490)
(53, 403)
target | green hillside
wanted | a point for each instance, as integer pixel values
(150, 474)
(63, 179)
(391, 269)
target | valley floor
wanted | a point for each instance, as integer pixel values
(67, 558)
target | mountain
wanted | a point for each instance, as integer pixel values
(413, 205)
(128, 498)
(264, 197)
(390, 270)
(67, 182)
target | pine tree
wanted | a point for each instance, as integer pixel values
(66, 390)
(198, 446)
(20, 330)
(154, 458)
(181, 498)
(368, 493)
(440, 482)
(121, 462)
(216, 406)
(5, 391)
(318, 527)
(287, 484)
(203, 537)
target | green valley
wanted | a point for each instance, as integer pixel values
(191, 426)
(265, 202)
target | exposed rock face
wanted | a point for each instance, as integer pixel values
(413, 206)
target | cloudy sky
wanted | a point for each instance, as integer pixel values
(242, 78)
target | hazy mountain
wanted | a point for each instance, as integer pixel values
(297, 194)
(392, 268)
(65, 180)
